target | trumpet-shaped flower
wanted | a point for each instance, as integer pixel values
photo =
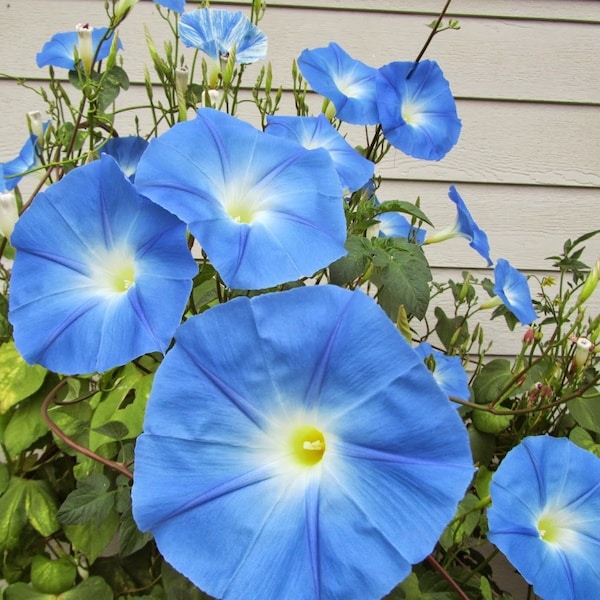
(28, 158)
(395, 224)
(416, 109)
(266, 210)
(177, 6)
(353, 169)
(513, 290)
(545, 516)
(101, 274)
(59, 51)
(127, 151)
(282, 458)
(464, 226)
(218, 32)
(348, 83)
(448, 371)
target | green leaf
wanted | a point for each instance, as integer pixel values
(586, 410)
(584, 440)
(179, 587)
(91, 539)
(91, 502)
(119, 77)
(113, 429)
(354, 264)
(18, 380)
(452, 332)
(93, 588)
(13, 513)
(490, 423)
(52, 576)
(4, 478)
(491, 380)
(22, 591)
(131, 539)
(462, 526)
(25, 426)
(483, 446)
(402, 277)
(42, 507)
(486, 589)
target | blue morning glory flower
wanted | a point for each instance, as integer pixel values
(282, 458)
(417, 113)
(512, 288)
(348, 83)
(101, 274)
(127, 152)
(353, 169)
(395, 224)
(177, 6)
(217, 32)
(59, 50)
(448, 373)
(464, 226)
(28, 158)
(266, 210)
(545, 516)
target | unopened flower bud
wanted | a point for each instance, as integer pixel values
(214, 96)
(587, 289)
(529, 336)
(583, 348)
(122, 8)
(181, 86)
(9, 213)
(329, 110)
(85, 46)
(35, 124)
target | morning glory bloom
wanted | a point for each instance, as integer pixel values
(127, 152)
(545, 516)
(177, 6)
(395, 224)
(417, 113)
(282, 458)
(353, 169)
(348, 83)
(512, 288)
(448, 373)
(464, 226)
(217, 32)
(101, 274)
(59, 50)
(265, 210)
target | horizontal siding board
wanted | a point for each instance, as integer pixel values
(487, 58)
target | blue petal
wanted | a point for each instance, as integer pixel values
(27, 159)
(348, 83)
(449, 372)
(59, 50)
(513, 289)
(127, 152)
(548, 474)
(417, 113)
(63, 316)
(218, 32)
(353, 169)
(175, 5)
(394, 224)
(466, 227)
(214, 480)
(265, 210)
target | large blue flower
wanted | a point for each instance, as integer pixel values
(512, 288)
(101, 274)
(127, 151)
(59, 51)
(353, 169)
(347, 82)
(464, 226)
(266, 210)
(448, 371)
(174, 5)
(417, 113)
(282, 458)
(217, 32)
(395, 224)
(545, 516)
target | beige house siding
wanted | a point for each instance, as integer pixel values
(525, 74)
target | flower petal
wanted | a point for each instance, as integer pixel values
(513, 289)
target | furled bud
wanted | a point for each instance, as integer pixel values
(587, 289)
(35, 124)
(181, 86)
(85, 46)
(9, 213)
(122, 8)
(583, 348)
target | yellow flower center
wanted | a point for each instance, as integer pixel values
(115, 271)
(123, 277)
(307, 445)
(411, 113)
(549, 530)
